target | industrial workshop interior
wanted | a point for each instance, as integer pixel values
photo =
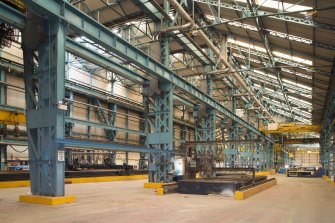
(167, 111)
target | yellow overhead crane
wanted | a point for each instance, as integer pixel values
(12, 117)
(16, 4)
(296, 141)
(275, 128)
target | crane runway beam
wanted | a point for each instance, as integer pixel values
(222, 142)
(301, 141)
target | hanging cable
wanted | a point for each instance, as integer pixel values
(17, 150)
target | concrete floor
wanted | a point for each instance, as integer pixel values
(292, 200)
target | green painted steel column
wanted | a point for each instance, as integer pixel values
(144, 125)
(160, 135)
(234, 134)
(69, 113)
(205, 131)
(89, 109)
(3, 157)
(332, 154)
(164, 40)
(160, 132)
(45, 92)
(3, 148)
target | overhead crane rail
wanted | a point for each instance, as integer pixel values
(243, 141)
(301, 141)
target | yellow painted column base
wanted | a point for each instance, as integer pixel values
(13, 184)
(46, 200)
(160, 191)
(262, 173)
(325, 177)
(154, 185)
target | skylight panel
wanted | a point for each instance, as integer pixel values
(254, 72)
(271, 32)
(276, 53)
(286, 7)
(302, 111)
(283, 69)
(269, 89)
(298, 99)
(305, 94)
(245, 58)
(294, 58)
(247, 45)
(297, 84)
(297, 73)
(257, 85)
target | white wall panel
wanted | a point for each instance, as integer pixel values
(15, 97)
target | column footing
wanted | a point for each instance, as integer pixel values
(155, 185)
(35, 199)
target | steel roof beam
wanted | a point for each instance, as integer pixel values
(92, 56)
(151, 10)
(261, 30)
(84, 25)
(254, 40)
(277, 59)
(181, 36)
(283, 17)
(289, 37)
